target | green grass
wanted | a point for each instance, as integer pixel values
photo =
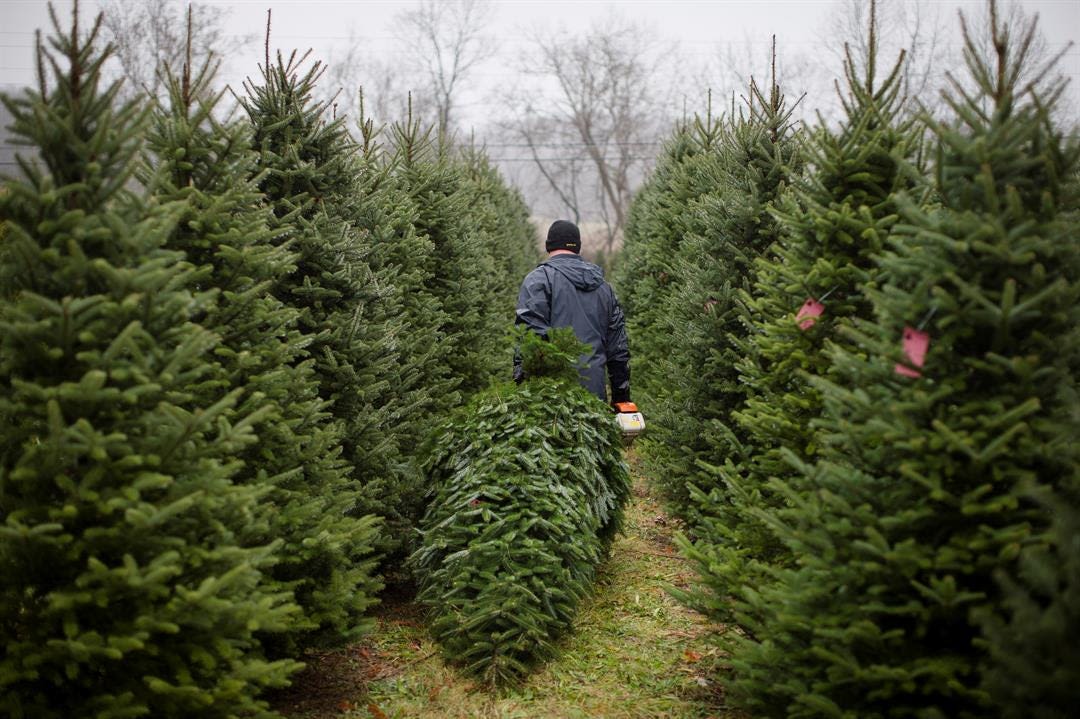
(634, 652)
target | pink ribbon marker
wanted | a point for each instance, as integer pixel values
(916, 343)
(808, 313)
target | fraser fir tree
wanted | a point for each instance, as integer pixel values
(645, 272)
(461, 273)
(123, 588)
(705, 314)
(661, 338)
(348, 307)
(919, 496)
(501, 212)
(1034, 665)
(209, 170)
(833, 226)
(386, 218)
(529, 487)
(390, 219)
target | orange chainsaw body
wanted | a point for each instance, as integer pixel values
(630, 420)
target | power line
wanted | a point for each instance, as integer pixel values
(563, 159)
(571, 144)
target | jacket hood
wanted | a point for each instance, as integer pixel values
(583, 275)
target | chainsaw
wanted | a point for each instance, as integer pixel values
(630, 421)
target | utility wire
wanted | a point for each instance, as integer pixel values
(564, 159)
(570, 144)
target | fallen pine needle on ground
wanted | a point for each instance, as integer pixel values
(635, 652)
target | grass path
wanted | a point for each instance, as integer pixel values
(634, 652)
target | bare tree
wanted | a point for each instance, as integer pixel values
(384, 87)
(447, 41)
(591, 118)
(150, 32)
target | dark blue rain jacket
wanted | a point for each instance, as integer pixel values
(567, 291)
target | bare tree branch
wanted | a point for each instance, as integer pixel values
(448, 39)
(597, 102)
(550, 170)
(385, 89)
(149, 33)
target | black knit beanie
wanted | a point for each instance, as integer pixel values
(563, 235)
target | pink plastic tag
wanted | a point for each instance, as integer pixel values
(915, 345)
(810, 310)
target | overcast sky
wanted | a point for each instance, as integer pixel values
(701, 31)
(701, 34)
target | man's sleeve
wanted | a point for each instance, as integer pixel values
(533, 311)
(618, 353)
(534, 303)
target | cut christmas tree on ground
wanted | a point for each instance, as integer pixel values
(528, 486)
(634, 652)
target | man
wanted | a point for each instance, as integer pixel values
(567, 291)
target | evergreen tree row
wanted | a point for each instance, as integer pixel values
(222, 338)
(879, 497)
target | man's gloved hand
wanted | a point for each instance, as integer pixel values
(620, 395)
(519, 374)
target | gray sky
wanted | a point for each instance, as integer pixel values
(706, 38)
(701, 31)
